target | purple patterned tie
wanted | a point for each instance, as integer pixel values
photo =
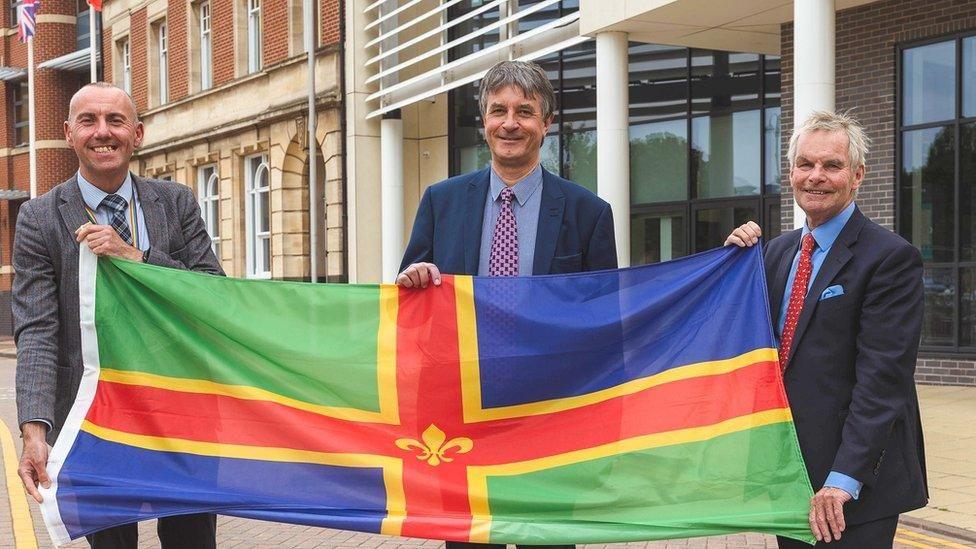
(504, 259)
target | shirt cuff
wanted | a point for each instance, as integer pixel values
(44, 421)
(845, 483)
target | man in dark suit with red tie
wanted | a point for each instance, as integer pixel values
(846, 302)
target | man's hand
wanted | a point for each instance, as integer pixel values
(103, 240)
(827, 513)
(418, 275)
(745, 236)
(33, 460)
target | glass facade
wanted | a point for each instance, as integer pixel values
(704, 141)
(936, 197)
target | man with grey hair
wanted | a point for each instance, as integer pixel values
(513, 218)
(846, 295)
(115, 213)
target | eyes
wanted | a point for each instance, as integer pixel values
(829, 165)
(523, 112)
(86, 120)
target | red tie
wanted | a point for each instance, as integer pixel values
(797, 295)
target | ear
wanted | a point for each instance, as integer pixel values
(858, 177)
(140, 131)
(67, 134)
(548, 123)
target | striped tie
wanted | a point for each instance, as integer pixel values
(117, 204)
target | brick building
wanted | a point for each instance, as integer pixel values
(696, 109)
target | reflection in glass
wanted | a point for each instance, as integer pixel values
(940, 295)
(578, 97)
(726, 155)
(771, 84)
(967, 308)
(969, 76)
(967, 192)
(659, 162)
(712, 225)
(657, 237)
(772, 151)
(580, 164)
(929, 83)
(659, 82)
(774, 220)
(475, 158)
(723, 80)
(927, 201)
(550, 153)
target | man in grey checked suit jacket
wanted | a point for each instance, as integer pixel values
(165, 229)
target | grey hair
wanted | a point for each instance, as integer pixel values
(103, 85)
(858, 141)
(528, 77)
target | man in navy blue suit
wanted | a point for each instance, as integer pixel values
(846, 303)
(513, 218)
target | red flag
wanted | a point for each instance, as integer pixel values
(95, 4)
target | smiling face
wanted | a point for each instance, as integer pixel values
(514, 129)
(822, 178)
(103, 130)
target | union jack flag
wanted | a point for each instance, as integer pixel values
(26, 18)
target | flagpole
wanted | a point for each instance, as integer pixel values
(92, 38)
(313, 219)
(32, 153)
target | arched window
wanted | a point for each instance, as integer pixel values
(258, 213)
(208, 191)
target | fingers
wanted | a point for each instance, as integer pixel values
(827, 514)
(419, 275)
(835, 517)
(33, 471)
(744, 236)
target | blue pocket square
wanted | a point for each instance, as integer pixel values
(832, 291)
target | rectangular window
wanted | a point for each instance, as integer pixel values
(206, 48)
(125, 53)
(253, 35)
(21, 116)
(162, 60)
(14, 4)
(258, 216)
(208, 194)
(936, 206)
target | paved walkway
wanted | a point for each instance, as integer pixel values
(948, 414)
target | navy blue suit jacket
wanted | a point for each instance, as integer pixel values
(575, 231)
(850, 378)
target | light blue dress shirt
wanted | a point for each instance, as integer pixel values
(825, 235)
(528, 200)
(93, 197)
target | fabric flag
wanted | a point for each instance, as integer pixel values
(95, 4)
(637, 404)
(27, 18)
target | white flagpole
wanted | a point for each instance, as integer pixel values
(313, 219)
(30, 117)
(92, 39)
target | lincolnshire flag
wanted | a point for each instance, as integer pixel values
(637, 404)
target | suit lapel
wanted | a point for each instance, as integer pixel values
(550, 221)
(840, 253)
(474, 218)
(72, 206)
(781, 275)
(156, 224)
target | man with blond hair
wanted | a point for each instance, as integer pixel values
(846, 302)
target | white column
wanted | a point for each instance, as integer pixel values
(813, 65)
(613, 140)
(391, 193)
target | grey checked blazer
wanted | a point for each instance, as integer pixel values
(45, 290)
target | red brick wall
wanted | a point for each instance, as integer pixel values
(222, 34)
(867, 37)
(330, 22)
(139, 53)
(179, 49)
(274, 20)
(108, 51)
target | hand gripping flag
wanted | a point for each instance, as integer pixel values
(637, 404)
(26, 18)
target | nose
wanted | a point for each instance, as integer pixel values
(101, 128)
(510, 123)
(817, 173)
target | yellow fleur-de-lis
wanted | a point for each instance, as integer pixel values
(434, 449)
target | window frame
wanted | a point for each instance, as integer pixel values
(125, 52)
(255, 41)
(19, 89)
(955, 123)
(207, 199)
(162, 61)
(255, 238)
(205, 43)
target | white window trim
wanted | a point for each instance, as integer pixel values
(254, 238)
(208, 191)
(206, 47)
(163, 47)
(127, 66)
(254, 41)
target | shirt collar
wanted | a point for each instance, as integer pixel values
(93, 196)
(523, 189)
(826, 234)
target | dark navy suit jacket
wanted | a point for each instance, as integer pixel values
(575, 231)
(850, 378)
